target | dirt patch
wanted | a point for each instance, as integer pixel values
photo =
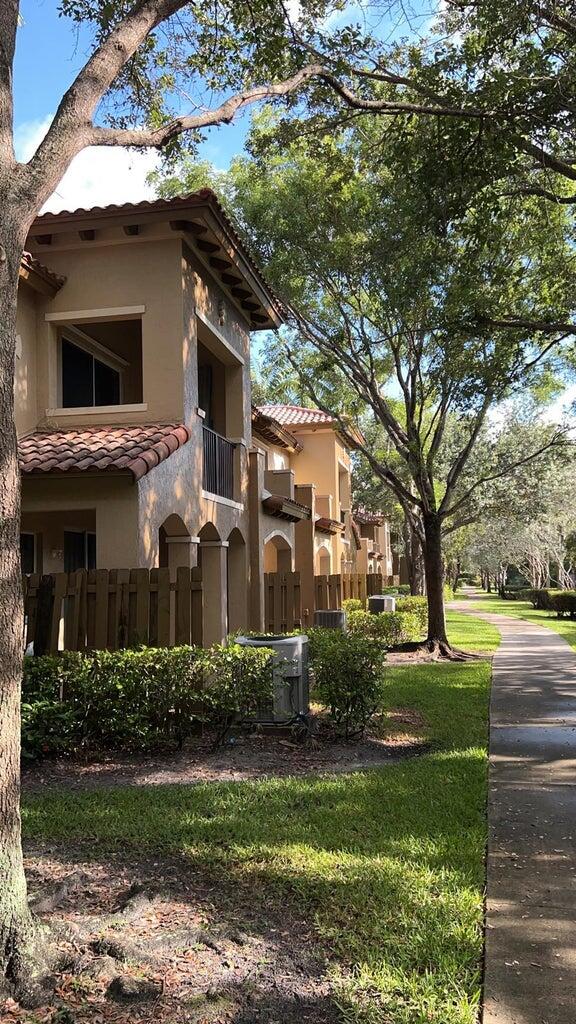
(242, 758)
(178, 947)
(415, 657)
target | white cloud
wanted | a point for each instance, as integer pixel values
(561, 410)
(98, 176)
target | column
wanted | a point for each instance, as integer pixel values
(214, 563)
(304, 532)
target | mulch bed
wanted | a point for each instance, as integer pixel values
(205, 951)
(157, 938)
(243, 757)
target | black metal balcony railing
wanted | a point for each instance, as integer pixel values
(218, 473)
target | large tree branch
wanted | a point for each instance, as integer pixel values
(8, 26)
(222, 114)
(544, 193)
(72, 128)
(545, 159)
(437, 108)
(540, 326)
(440, 107)
(460, 463)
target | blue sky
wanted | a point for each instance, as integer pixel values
(50, 52)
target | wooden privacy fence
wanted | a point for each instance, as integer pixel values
(283, 599)
(282, 602)
(328, 591)
(354, 585)
(374, 583)
(112, 608)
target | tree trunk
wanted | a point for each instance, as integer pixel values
(433, 566)
(414, 561)
(17, 930)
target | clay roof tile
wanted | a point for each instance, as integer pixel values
(136, 449)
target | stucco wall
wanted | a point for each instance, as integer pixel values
(113, 500)
(25, 369)
(100, 276)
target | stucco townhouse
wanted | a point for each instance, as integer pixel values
(138, 443)
(132, 392)
(307, 522)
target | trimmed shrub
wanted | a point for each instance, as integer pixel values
(148, 698)
(540, 599)
(416, 606)
(238, 683)
(348, 677)
(564, 604)
(390, 628)
(353, 604)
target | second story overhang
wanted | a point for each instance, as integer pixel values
(272, 432)
(40, 278)
(198, 219)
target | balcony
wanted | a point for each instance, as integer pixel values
(218, 468)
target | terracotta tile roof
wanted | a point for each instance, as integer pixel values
(285, 508)
(300, 416)
(29, 262)
(135, 449)
(271, 430)
(366, 518)
(293, 415)
(203, 197)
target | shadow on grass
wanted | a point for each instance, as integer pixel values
(383, 869)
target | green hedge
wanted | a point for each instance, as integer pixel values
(390, 628)
(417, 606)
(539, 599)
(348, 676)
(563, 602)
(143, 699)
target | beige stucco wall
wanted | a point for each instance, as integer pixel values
(113, 501)
(115, 276)
(25, 367)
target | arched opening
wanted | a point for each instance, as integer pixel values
(237, 582)
(323, 561)
(175, 545)
(277, 554)
(213, 562)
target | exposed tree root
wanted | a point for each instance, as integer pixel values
(92, 948)
(29, 960)
(440, 650)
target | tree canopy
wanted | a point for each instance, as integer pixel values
(422, 319)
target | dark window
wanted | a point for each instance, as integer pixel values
(205, 392)
(27, 552)
(79, 550)
(85, 380)
(77, 376)
(106, 384)
(90, 550)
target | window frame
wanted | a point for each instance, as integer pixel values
(74, 336)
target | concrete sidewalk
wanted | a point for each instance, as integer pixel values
(530, 975)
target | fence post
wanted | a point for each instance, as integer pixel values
(197, 607)
(44, 609)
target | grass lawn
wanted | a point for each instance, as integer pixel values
(387, 866)
(524, 610)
